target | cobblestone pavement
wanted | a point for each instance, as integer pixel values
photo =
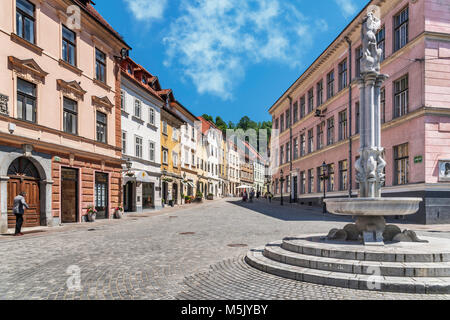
(179, 254)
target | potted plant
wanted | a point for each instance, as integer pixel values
(187, 199)
(199, 196)
(118, 212)
(91, 213)
(210, 196)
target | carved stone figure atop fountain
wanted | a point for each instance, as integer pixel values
(370, 208)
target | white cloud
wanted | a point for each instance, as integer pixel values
(214, 42)
(147, 9)
(348, 8)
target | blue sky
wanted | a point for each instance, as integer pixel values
(228, 58)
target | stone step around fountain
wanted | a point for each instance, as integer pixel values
(358, 268)
(437, 251)
(275, 252)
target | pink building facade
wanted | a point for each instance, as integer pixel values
(60, 118)
(313, 123)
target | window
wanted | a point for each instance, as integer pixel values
(310, 180)
(68, 46)
(310, 100)
(320, 136)
(288, 152)
(282, 123)
(70, 123)
(401, 164)
(330, 131)
(193, 160)
(330, 85)
(281, 155)
(295, 111)
(401, 97)
(26, 100)
(138, 147)
(356, 181)
(122, 100)
(302, 107)
(320, 93)
(357, 120)
(311, 141)
(175, 159)
(295, 149)
(343, 75)
(343, 125)
(101, 127)
(144, 80)
(100, 66)
(164, 127)
(381, 37)
(330, 181)
(152, 116)
(186, 157)
(165, 155)
(25, 20)
(358, 57)
(277, 124)
(124, 142)
(288, 118)
(343, 175)
(151, 155)
(383, 105)
(319, 179)
(137, 108)
(302, 145)
(302, 182)
(401, 22)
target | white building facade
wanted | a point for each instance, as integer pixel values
(258, 176)
(141, 145)
(234, 169)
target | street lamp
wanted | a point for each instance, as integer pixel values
(184, 183)
(281, 184)
(324, 178)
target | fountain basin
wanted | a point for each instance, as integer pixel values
(373, 206)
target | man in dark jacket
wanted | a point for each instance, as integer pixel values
(18, 210)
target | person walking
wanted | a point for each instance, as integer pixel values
(252, 195)
(169, 198)
(18, 210)
(269, 196)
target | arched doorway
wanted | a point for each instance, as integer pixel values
(165, 192)
(23, 176)
(175, 193)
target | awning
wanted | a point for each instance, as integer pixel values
(245, 187)
(139, 176)
(189, 183)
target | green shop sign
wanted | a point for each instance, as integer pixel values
(418, 159)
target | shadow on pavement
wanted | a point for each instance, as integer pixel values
(288, 212)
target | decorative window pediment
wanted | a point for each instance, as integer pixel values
(72, 88)
(27, 67)
(104, 102)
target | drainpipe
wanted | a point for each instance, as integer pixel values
(350, 116)
(290, 148)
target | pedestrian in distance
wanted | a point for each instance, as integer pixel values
(169, 198)
(19, 211)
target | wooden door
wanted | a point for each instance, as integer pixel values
(69, 195)
(32, 216)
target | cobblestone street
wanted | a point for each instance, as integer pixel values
(191, 253)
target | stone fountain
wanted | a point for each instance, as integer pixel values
(370, 209)
(368, 254)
